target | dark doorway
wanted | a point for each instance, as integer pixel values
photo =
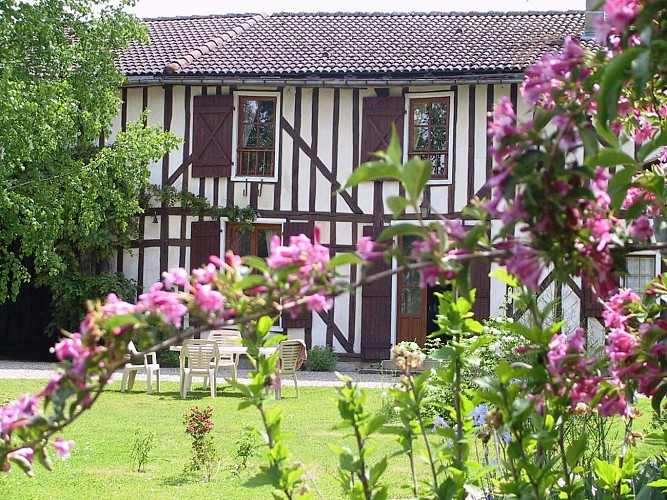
(23, 325)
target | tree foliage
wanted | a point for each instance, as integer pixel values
(65, 203)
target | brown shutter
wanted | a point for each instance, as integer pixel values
(305, 318)
(479, 279)
(376, 311)
(205, 241)
(592, 308)
(380, 113)
(212, 136)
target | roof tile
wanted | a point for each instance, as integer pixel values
(358, 44)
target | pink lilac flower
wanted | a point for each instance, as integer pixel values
(176, 276)
(318, 302)
(17, 414)
(621, 346)
(206, 274)
(503, 123)
(618, 14)
(643, 132)
(525, 263)
(550, 73)
(114, 306)
(640, 228)
(167, 303)
(26, 455)
(68, 347)
(207, 299)
(368, 249)
(62, 447)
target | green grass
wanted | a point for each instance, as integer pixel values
(101, 464)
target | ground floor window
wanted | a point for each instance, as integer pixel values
(253, 240)
(641, 270)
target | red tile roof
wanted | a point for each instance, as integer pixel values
(350, 44)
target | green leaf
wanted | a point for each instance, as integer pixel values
(397, 204)
(608, 473)
(543, 117)
(505, 277)
(264, 325)
(613, 79)
(416, 173)
(641, 67)
(618, 186)
(590, 140)
(658, 396)
(255, 263)
(250, 281)
(343, 259)
(576, 450)
(400, 230)
(652, 145)
(610, 158)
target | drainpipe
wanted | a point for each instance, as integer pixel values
(593, 10)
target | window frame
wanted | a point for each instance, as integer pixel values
(642, 255)
(409, 125)
(256, 227)
(238, 97)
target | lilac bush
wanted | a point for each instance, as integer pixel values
(571, 200)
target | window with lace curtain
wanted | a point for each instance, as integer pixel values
(256, 135)
(641, 270)
(251, 241)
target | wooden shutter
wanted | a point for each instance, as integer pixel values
(213, 123)
(376, 311)
(305, 318)
(479, 279)
(592, 308)
(204, 242)
(379, 114)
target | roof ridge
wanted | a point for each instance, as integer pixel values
(215, 42)
(198, 16)
(432, 13)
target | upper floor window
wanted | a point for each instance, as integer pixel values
(641, 270)
(256, 135)
(430, 132)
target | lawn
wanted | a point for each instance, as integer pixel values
(101, 465)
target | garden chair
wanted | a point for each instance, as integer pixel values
(291, 355)
(199, 358)
(130, 370)
(227, 338)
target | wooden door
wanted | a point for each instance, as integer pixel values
(411, 310)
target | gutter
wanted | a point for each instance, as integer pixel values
(498, 78)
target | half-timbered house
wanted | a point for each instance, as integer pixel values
(275, 112)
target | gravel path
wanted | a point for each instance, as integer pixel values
(38, 370)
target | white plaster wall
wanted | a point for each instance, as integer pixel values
(304, 160)
(286, 151)
(460, 182)
(480, 137)
(345, 141)
(324, 149)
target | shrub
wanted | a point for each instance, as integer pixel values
(71, 291)
(143, 446)
(168, 359)
(321, 359)
(205, 457)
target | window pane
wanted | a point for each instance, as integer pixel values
(420, 113)
(250, 108)
(633, 265)
(647, 266)
(439, 113)
(438, 139)
(411, 301)
(420, 138)
(633, 282)
(249, 138)
(267, 111)
(266, 136)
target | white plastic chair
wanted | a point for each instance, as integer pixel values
(227, 338)
(199, 358)
(290, 355)
(130, 371)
